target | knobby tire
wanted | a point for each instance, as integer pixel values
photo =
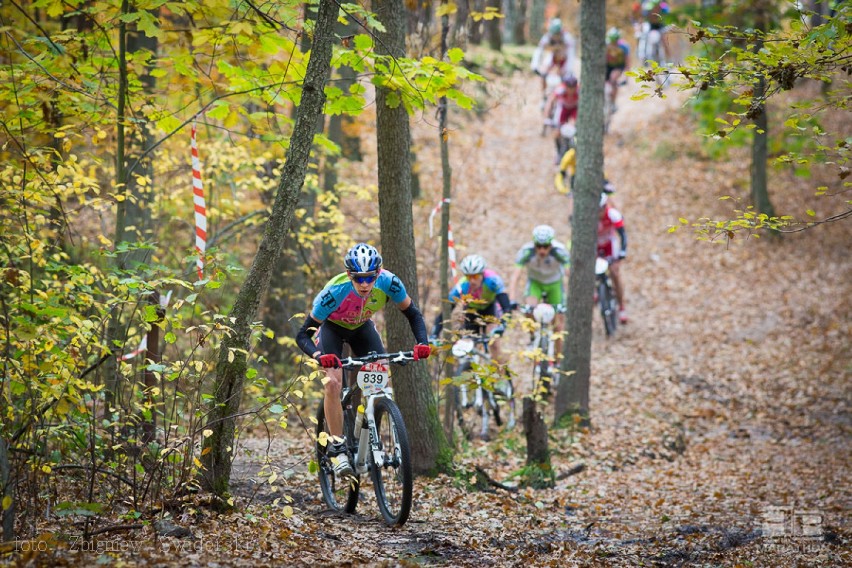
(394, 479)
(340, 495)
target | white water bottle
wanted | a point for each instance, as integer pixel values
(359, 422)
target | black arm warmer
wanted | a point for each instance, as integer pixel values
(503, 299)
(304, 339)
(623, 234)
(438, 325)
(415, 320)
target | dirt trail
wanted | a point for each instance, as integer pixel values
(726, 394)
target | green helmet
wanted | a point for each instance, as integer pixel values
(613, 34)
(555, 26)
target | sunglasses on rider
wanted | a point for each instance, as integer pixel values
(364, 277)
(541, 246)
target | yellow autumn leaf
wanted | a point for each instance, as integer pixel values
(288, 511)
(207, 433)
(7, 502)
(230, 356)
(272, 478)
(197, 463)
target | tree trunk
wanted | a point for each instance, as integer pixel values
(138, 208)
(535, 431)
(474, 33)
(7, 489)
(230, 374)
(429, 448)
(461, 30)
(759, 146)
(111, 395)
(510, 12)
(573, 393)
(492, 28)
(537, 20)
(520, 37)
(447, 180)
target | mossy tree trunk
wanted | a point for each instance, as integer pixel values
(429, 447)
(572, 396)
(231, 367)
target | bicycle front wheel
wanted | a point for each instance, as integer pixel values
(339, 494)
(392, 474)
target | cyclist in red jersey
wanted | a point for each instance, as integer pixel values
(612, 245)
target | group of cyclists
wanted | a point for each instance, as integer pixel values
(342, 311)
(554, 60)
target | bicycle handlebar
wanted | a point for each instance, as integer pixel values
(398, 358)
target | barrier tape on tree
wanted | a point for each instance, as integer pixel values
(200, 208)
(451, 245)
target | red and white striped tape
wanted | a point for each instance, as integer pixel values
(451, 244)
(200, 208)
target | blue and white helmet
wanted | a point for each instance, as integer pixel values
(362, 258)
(472, 264)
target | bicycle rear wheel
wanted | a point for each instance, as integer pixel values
(392, 475)
(608, 311)
(340, 495)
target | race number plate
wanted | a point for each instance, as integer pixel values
(373, 378)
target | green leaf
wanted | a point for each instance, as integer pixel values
(363, 42)
(455, 54)
(811, 212)
(170, 337)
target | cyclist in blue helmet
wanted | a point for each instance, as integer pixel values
(342, 313)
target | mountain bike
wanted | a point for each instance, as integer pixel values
(605, 296)
(544, 375)
(376, 440)
(473, 360)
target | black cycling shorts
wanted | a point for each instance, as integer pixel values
(363, 339)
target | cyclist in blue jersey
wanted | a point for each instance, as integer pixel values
(342, 313)
(482, 294)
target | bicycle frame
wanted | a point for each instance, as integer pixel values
(473, 351)
(367, 439)
(544, 314)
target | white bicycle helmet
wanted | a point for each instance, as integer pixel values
(613, 34)
(362, 258)
(472, 264)
(543, 235)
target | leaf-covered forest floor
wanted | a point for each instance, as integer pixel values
(726, 395)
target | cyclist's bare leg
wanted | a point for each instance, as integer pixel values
(614, 272)
(558, 326)
(614, 78)
(331, 403)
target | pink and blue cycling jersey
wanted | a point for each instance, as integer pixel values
(339, 303)
(480, 299)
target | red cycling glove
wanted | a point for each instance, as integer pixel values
(422, 352)
(329, 361)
